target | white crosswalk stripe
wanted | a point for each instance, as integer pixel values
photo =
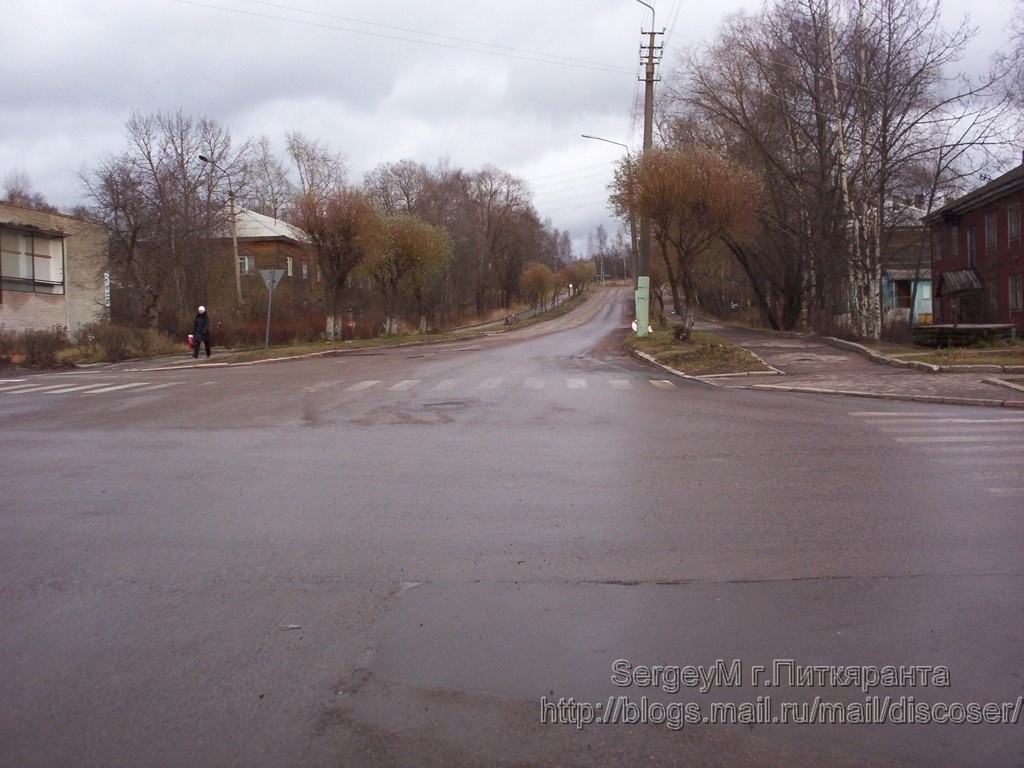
(29, 389)
(663, 383)
(621, 384)
(490, 383)
(116, 388)
(362, 385)
(534, 383)
(576, 383)
(404, 385)
(71, 389)
(446, 384)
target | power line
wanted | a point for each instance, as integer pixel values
(506, 51)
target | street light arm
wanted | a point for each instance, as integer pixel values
(231, 189)
(652, 11)
(609, 141)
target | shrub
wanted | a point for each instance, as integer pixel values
(114, 342)
(10, 345)
(41, 347)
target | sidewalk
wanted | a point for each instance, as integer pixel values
(811, 365)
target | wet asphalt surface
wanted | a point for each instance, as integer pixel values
(396, 557)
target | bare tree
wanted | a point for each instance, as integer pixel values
(18, 191)
(839, 107)
(268, 190)
(163, 210)
(321, 171)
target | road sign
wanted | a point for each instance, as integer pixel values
(271, 277)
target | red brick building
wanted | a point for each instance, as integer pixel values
(977, 254)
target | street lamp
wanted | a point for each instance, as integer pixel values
(632, 214)
(234, 227)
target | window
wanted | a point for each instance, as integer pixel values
(992, 293)
(305, 270)
(991, 239)
(246, 264)
(31, 262)
(1013, 222)
(970, 247)
(1015, 293)
(290, 266)
(954, 239)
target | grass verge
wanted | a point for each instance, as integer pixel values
(703, 355)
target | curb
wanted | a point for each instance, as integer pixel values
(1004, 383)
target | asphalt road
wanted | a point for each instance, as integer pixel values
(399, 557)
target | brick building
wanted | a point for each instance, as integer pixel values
(976, 253)
(53, 270)
(264, 243)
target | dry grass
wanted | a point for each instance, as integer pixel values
(703, 355)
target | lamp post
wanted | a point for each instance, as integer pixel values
(632, 213)
(234, 227)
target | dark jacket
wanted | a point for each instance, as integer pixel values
(201, 327)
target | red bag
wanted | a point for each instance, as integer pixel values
(191, 342)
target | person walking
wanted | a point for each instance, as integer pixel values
(201, 332)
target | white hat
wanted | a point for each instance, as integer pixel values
(202, 309)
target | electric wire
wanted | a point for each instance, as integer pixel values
(543, 58)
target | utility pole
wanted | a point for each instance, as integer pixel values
(643, 278)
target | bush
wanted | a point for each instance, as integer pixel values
(114, 342)
(10, 345)
(41, 347)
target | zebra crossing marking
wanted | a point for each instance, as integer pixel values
(576, 383)
(446, 384)
(621, 384)
(27, 389)
(404, 385)
(71, 389)
(116, 387)
(534, 383)
(362, 385)
(490, 383)
(662, 383)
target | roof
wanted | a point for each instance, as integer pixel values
(957, 282)
(1009, 182)
(255, 226)
(924, 273)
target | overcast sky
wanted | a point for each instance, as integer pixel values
(512, 84)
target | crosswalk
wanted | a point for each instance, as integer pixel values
(488, 384)
(988, 450)
(95, 388)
